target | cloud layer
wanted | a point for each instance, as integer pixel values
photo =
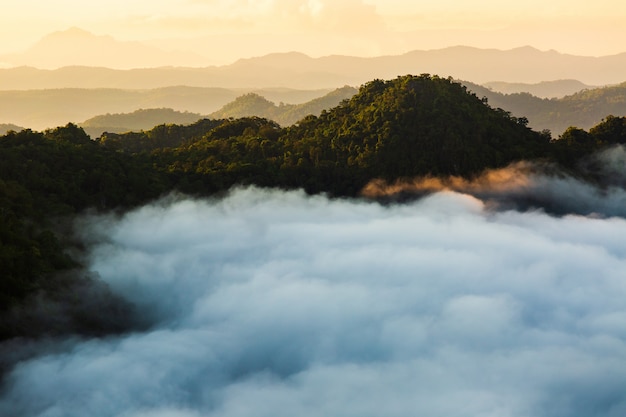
(270, 303)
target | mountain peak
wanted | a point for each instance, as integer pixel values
(73, 33)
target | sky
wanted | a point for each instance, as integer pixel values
(322, 27)
(266, 303)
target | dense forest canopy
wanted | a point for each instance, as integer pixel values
(406, 127)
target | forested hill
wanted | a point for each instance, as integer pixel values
(415, 126)
(408, 126)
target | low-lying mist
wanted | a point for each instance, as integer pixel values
(268, 303)
(598, 189)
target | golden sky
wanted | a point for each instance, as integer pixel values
(320, 27)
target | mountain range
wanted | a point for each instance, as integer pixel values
(110, 110)
(41, 109)
(87, 58)
(514, 80)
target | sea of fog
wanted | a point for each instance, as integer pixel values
(269, 303)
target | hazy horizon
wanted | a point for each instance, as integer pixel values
(214, 32)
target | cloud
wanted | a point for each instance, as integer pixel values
(531, 185)
(272, 303)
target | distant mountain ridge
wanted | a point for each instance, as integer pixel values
(297, 70)
(6, 127)
(544, 89)
(41, 109)
(583, 109)
(138, 120)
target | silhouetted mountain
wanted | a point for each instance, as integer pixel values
(6, 127)
(79, 47)
(141, 119)
(295, 70)
(544, 89)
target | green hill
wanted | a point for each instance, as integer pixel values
(414, 125)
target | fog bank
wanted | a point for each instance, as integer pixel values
(271, 303)
(598, 188)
